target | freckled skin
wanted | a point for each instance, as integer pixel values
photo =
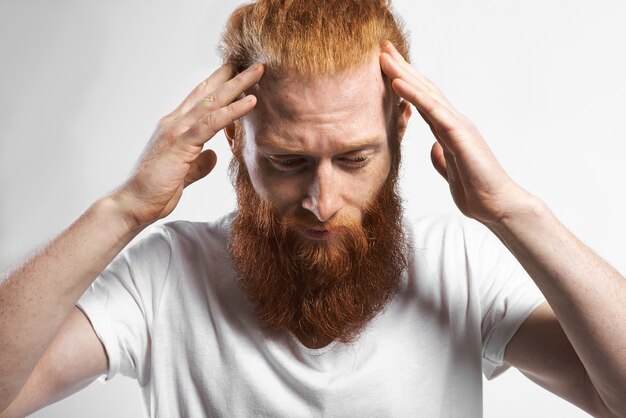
(324, 119)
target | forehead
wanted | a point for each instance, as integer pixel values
(351, 105)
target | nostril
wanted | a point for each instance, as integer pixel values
(307, 203)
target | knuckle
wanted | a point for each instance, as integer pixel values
(209, 119)
(459, 131)
(240, 82)
(241, 78)
(452, 131)
(209, 100)
(164, 121)
(205, 85)
(231, 112)
(231, 108)
(432, 107)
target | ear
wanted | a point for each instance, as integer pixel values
(229, 131)
(403, 117)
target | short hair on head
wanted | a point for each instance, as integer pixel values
(310, 38)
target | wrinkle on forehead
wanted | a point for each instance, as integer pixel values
(359, 97)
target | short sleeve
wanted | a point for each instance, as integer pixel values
(507, 295)
(121, 303)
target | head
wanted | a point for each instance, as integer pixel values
(317, 243)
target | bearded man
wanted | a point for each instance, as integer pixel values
(318, 296)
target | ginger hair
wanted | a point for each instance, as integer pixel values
(310, 38)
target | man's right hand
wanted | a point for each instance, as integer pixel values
(173, 158)
(38, 295)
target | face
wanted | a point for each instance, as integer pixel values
(318, 150)
(317, 243)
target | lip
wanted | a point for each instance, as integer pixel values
(318, 234)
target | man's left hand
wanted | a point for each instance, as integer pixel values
(480, 187)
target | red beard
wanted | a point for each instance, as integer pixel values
(319, 290)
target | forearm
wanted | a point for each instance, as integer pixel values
(586, 294)
(37, 295)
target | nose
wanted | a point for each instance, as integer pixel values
(323, 198)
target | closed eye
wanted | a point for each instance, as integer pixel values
(294, 163)
(355, 161)
(286, 163)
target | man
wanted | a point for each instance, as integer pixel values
(315, 298)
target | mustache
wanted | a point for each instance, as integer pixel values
(340, 223)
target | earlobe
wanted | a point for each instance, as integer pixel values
(403, 118)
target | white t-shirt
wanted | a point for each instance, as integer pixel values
(169, 314)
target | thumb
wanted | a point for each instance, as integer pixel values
(202, 166)
(438, 160)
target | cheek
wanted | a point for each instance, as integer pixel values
(368, 183)
(283, 192)
(361, 190)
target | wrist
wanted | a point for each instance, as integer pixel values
(529, 211)
(116, 207)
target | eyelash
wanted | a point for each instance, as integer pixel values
(291, 164)
(288, 163)
(357, 161)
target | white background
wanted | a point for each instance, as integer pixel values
(82, 85)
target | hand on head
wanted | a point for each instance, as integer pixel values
(479, 185)
(174, 156)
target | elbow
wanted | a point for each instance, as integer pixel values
(599, 404)
(603, 407)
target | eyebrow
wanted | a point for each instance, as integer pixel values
(283, 147)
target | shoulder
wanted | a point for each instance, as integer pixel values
(210, 233)
(452, 244)
(443, 230)
(185, 242)
(160, 242)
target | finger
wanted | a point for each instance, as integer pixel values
(398, 58)
(390, 49)
(218, 77)
(443, 120)
(438, 160)
(223, 94)
(211, 123)
(435, 132)
(202, 166)
(395, 70)
(454, 179)
(430, 124)
(444, 162)
(426, 103)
